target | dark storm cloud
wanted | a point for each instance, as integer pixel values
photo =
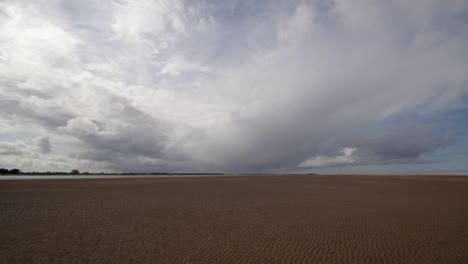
(47, 116)
(406, 143)
(126, 134)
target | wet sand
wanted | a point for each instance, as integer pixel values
(267, 219)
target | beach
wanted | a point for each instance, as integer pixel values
(229, 219)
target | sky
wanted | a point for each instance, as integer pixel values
(252, 86)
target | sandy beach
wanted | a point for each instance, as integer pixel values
(258, 219)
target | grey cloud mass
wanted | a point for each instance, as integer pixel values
(229, 86)
(44, 145)
(7, 148)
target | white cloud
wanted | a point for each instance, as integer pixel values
(81, 125)
(134, 18)
(346, 157)
(177, 65)
(31, 42)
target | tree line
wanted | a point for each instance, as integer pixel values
(7, 171)
(18, 171)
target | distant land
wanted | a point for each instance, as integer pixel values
(4, 171)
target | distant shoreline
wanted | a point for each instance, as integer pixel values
(93, 174)
(227, 174)
(25, 176)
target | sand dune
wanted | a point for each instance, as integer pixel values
(274, 219)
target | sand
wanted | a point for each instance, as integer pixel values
(268, 219)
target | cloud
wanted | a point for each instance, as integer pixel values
(12, 148)
(43, 143)
(177, 65)
(241, 87)
(322, 161)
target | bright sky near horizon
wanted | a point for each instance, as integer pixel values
(328, 86)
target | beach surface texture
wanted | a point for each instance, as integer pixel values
(257, 219)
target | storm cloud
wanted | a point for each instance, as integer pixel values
(230, 86)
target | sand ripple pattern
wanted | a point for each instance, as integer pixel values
(275, 219)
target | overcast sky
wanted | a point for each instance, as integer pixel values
(328, 86)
